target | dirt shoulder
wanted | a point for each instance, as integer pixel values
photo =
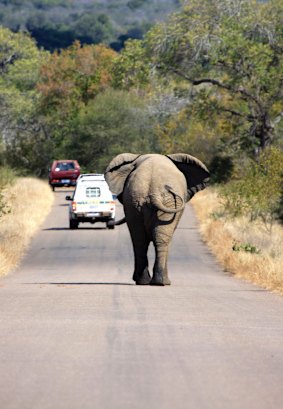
(28, 201)
(247, 249)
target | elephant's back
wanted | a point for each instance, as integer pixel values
(151, 177)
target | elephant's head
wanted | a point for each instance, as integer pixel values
(121, 166)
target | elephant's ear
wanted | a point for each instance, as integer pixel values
(118, 170)
(195, 172)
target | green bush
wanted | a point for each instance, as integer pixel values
(259, 193)
(247, 247)
(6, 177)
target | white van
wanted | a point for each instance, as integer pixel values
(92, 202)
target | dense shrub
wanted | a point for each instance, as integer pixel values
(259, 193)
(221, 169)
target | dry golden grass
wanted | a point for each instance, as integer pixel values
(29, 201)
(221, 234)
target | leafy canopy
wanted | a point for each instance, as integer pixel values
(232, 53)
(74, 76)
(20, 60)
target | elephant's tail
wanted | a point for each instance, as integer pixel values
(117, 223)
(156, 200)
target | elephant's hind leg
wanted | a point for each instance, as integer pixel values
(160, 271)
(140, 244)
(141, 274)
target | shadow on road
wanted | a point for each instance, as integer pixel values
(70, 190)
(66, 284)
(186, 228)
(81, 228)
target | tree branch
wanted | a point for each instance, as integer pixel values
(240, 90)
(239, 114)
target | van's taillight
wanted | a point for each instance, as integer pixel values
(74, 206)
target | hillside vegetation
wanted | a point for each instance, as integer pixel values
(57, 24)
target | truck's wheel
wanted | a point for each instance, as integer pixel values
(74, 224)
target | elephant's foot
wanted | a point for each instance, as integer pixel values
(160, 280)
(140, 282)
(142, 279)
(166, 281)
(156, 283)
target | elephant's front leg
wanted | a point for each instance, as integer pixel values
(160, 271)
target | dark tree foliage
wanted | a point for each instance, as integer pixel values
(221, 168)
(136, 4)
(56, 24)
(52, 38)
(135, 33)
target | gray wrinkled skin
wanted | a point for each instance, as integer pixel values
(153, 190)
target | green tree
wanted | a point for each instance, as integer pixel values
(93, 28)
(74, 76)
(68, 82)
(20, 61)
(115, 121)
(231, 54)
(132, 67)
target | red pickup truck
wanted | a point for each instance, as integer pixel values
(64, 173)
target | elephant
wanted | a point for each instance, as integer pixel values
(154, 190)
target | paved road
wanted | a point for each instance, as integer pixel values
(75, 333)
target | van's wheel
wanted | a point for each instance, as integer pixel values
(74, 224)
(110, 224)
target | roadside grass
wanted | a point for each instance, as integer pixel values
(28, 201)
(250, 250)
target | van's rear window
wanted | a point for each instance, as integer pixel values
(93, 192)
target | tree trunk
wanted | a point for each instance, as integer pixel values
(263, 132)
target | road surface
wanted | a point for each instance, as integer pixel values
(76, 333)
